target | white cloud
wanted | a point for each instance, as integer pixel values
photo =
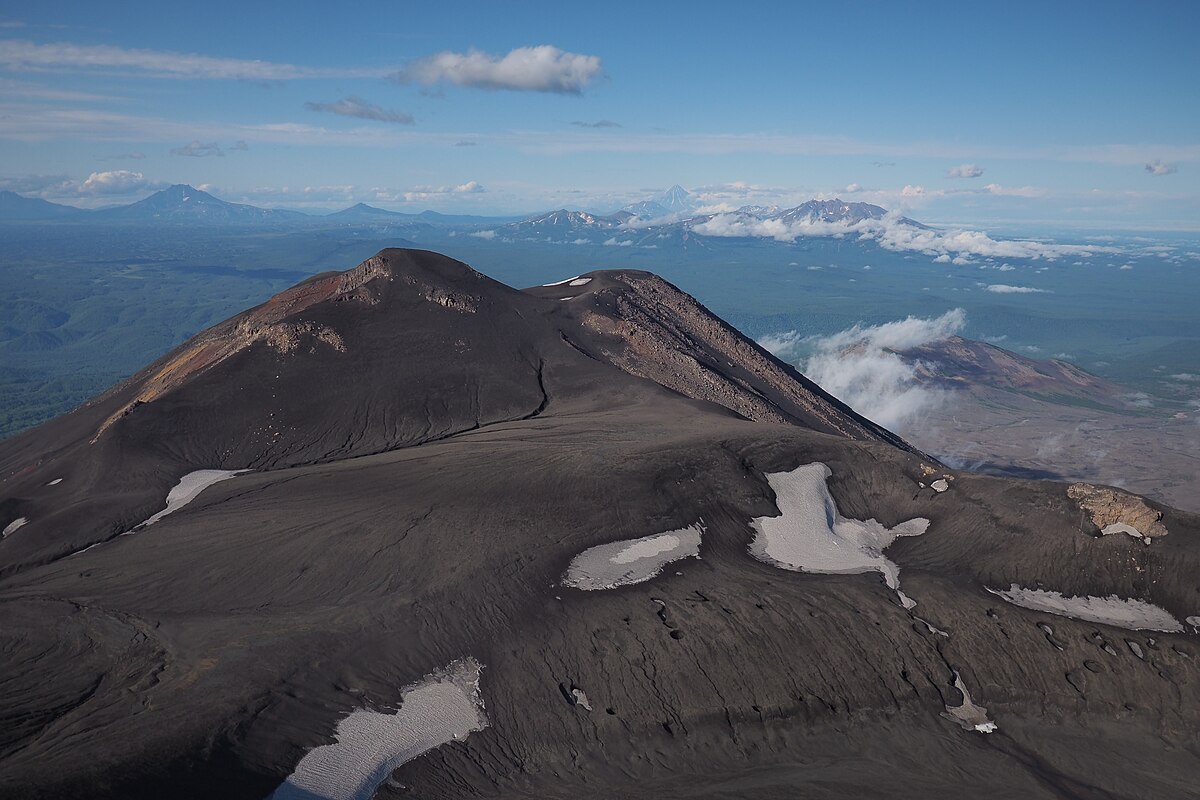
(964, 171)
(361, 109)
(853, 188)
(744, 225)
(1157, 167)
(426, 192)
(1018, 191)
(1139, 399)
(120, 181)
(484, 234)
(912, 191)
(613, 242)
(860, 365)
(954, 246)
(530, 69)
(1001, 288)
(600, 123)
(59, 56)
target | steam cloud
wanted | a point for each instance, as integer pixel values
(860, 365)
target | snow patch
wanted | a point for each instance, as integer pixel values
(442, 707)
(55, 482)
(12, 527)
(1135, 615)
(189, 488)
(563, 281)
(1121, 527)
(629, 561)
(580, 282)
(811, 535)
(939, 485)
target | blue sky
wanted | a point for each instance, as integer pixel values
(1055, 114)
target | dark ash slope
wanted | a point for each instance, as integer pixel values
(431, 449)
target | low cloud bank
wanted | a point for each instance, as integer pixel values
(860, 367)
(1003, 288)
(893, 233)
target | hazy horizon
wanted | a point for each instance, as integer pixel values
(504, 111)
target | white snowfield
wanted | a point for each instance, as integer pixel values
(811, 535)
(629, 561)
(580, 282)
(442, 707)
(563, 281)
(1121, 527)
(188, 488)
(1134, 615)
(12, 527)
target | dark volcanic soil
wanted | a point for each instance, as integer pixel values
(430, 450)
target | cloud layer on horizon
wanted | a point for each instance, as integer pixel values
(893, 233)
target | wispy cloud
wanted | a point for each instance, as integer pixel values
(30, 122)
(120, 181)
(195, 149)
(600, 123)
(862, 368)
(1157, 167)
(964, 171)
(361, 109)
(38, 185)
(466, 143)
(1014, 191)
(16, 88)
(64, 56)
(136, 155)
(544, 68)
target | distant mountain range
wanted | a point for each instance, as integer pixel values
(186, 204)
(17, 208)
(674, 212)
(182, 203)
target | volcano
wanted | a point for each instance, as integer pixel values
(405, 531)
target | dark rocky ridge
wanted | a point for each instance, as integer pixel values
(429, 483)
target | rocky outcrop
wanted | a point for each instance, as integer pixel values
(1114, 511)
